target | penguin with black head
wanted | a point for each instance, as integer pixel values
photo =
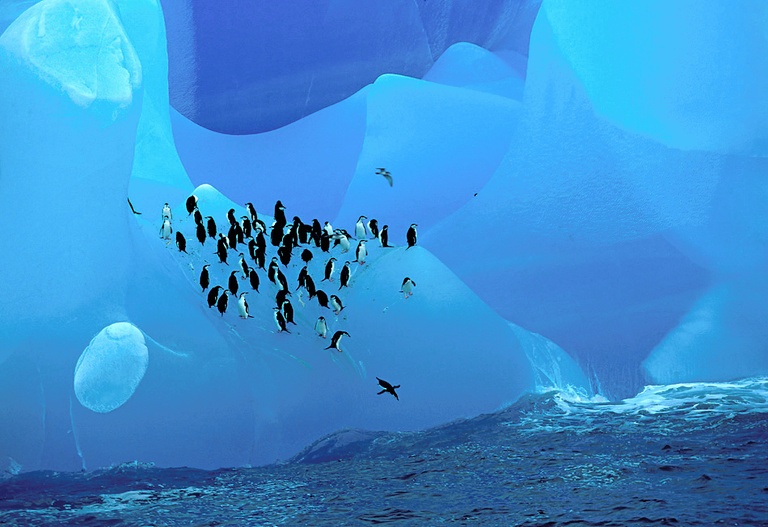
(221, 249)
(232, 283)
(210, 226)
(242, 306)
(213, 295)
(329, 266)
(411, 236)
(344, 276)
(251, 212)
(384, 236)
(200, 233)
(205, 278)
(280, 321)
(280, 214)
(253, 279)
(181, 242)
(336, 340)
(191, 204)
(221, 303)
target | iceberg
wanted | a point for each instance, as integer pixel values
(561, 245)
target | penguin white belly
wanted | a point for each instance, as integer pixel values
(344, 243)
(241, 307)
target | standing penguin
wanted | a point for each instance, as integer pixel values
(309, 285)
(328, 228)
(280, 214)
(306, 256)
(343, 242)
(232, 237)
(329, 270)
(407, 287)
(221, 249)
(280, 320)
(281, 280)
(336, 340)
(316, 231)
(384, 236)
(373, 227)
(321, 327)
(213, 295)
(361, 252)
(181, 242)
(198, 217)
(221, 304)
(166, 230)
(200, 233)
(336, 304)
(276, 235)
(205, 278)
(260, 257)
(242, 306)
(288, 312)
(210, 226)
(284, 252)
(251, 212)
(272, 271)
(344, 276)
(245, 224)
(191, 204)
(280, 297)
(360, 227)
(325, 242)
(243, 265)
(232, 283)
(231, 217)
(253, 278)
(322, 298)
(167, 215)
(411, 236)
(302, 277)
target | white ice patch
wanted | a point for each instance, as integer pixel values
(111, 367)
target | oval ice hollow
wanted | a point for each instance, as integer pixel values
(111, 367)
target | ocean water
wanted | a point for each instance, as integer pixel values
(682, 455)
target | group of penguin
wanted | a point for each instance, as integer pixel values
(250, 231)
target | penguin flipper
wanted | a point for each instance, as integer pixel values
(382, 391)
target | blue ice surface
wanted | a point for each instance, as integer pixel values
(557, 247)
(256, 66)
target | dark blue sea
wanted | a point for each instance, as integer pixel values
(680, 455)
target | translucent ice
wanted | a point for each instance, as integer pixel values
(689, 74)
(236, 69)
(111, 367)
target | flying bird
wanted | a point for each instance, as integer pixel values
(387, 175)
(388, 388)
